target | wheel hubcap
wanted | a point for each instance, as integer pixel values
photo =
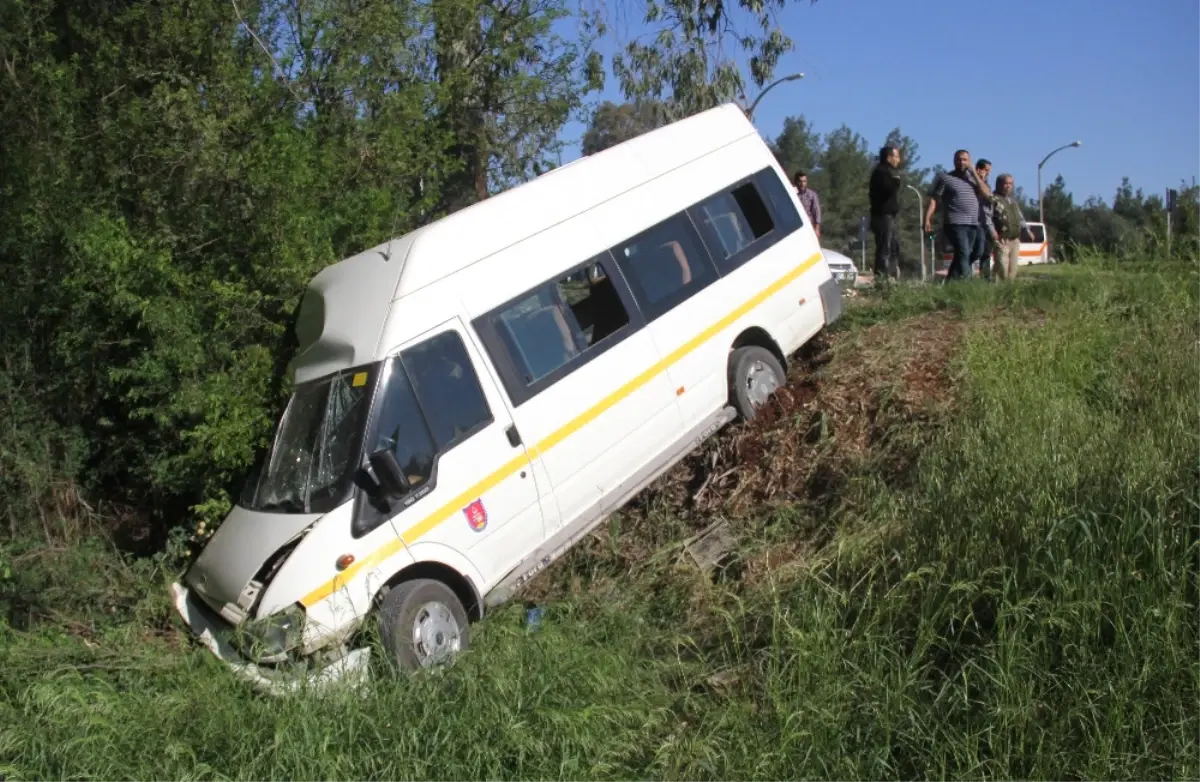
(760, 383)
(436, 634)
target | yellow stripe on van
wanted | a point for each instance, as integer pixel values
(421, 528)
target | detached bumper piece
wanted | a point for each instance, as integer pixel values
(214, 632)
(831, 300)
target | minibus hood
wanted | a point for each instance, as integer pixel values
(238, 549)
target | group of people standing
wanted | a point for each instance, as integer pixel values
(978, 222)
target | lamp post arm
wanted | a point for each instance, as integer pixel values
(768, 88)
(1041, 206)
(1055, 152)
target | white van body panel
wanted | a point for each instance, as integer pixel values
(315, 558)
(501, 221)
(507, 498)
(510, 499)
(336, 615)
(697, 335)
(1034, 247)
(581, 460)
(344, 308)
(586, 456)
(429, 550)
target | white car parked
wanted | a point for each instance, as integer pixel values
(840, 266)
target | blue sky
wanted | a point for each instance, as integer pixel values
(1122, 76)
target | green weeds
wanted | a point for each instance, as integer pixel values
(1023, 605)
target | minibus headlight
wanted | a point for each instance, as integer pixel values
(268, 640)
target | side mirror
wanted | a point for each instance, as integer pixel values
(387, 471)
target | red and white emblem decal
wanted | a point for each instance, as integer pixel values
(476, 515)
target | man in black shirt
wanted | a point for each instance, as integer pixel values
(884, 192)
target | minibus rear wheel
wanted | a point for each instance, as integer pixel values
(423, 623)
(754, 374)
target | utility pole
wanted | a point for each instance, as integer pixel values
(862, 240)
(1171, 196)
(920, 232)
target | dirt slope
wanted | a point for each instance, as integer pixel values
(857, 399)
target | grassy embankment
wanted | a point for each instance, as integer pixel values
(965, 546)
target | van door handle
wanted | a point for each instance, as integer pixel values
(514, 437)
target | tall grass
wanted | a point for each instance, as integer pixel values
(1025, 607)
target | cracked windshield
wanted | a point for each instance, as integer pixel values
(313, 447)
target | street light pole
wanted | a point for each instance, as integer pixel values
(768, 88)
(920, 233)
(1041, 206)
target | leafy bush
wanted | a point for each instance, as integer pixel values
(167, 200)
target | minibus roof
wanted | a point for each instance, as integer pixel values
(347, 302)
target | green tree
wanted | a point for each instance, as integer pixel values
(507, 84)
(1185, 222)
(1097, 225)
(687, 60)
(1058, 205)
(841, 181)
(798, 146)
(1127, 204)
(175, 174)
(612, 124)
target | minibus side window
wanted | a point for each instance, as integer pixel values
(537, 330)
(665, 265)
(402, 428)
(595, 310)
(787, 216)
(557, 322)
(447, 389)
(733, 221)
(431, 402)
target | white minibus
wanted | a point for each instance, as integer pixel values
(472, 398)
(1034, 247)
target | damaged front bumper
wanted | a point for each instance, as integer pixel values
(213, 631)
(831, 300)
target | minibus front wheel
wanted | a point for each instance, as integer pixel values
(754, 374)
(422, 623)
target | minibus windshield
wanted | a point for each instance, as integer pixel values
(310, 464)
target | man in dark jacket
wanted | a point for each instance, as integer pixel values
(884, 193)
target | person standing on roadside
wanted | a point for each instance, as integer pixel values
(958, 191)
(809, 200)
(1008, 222)
(884, 193)
(985, 238)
